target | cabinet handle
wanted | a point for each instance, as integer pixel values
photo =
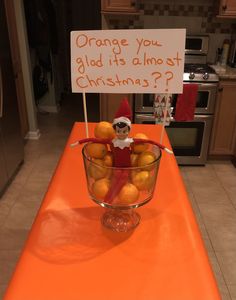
(1, 94)
(220, 89)
(224, 7)
(132, 3)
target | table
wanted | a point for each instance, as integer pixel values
(69, 255)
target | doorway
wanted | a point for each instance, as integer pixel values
(49, 24)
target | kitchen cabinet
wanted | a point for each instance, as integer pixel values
(223, 136)
(119, 6)
(227, 8)
(109, 103)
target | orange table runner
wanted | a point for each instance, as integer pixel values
(70, 256)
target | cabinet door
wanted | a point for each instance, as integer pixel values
(224, 133)
(119, 5)
(109, 104)
(228, 8)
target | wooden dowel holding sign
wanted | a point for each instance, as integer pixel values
(165, 115)
(85, 114)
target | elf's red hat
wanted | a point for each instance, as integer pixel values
(124, 113)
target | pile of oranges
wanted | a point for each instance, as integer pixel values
(140, 180)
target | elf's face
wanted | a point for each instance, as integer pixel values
(122, 133)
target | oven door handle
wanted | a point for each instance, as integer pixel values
(196, 118)
(203, 116)
(207, 85)
(204, 86)
(147, 117)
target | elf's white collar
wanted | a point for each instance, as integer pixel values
(122, 143)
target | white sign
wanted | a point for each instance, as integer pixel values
(128, 61)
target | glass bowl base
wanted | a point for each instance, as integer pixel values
(120, 220)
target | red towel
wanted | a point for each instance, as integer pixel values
(186, 103)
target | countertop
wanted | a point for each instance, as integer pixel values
(69, 255)
(225, 72)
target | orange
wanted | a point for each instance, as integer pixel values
(139, 148)
(108, 159)
(145, 159)
(134, 159)
(100, 188)
(96, 169)
(142, 180)
(96, 150)
(104, 130)
(128, 194)
(108, 162)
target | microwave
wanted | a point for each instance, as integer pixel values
(195, 44)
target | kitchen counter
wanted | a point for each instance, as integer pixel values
(225, 73)
(69, 255)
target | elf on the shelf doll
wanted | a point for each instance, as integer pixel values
(121, 148)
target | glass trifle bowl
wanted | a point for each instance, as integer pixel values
(121, 190)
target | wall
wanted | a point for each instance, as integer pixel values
(197, 16)
(26, 70)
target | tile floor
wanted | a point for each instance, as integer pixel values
(211, 189)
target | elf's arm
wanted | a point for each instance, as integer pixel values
(93, 140)
(142, 141)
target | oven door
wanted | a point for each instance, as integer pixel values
(206, 98)
(205, 102)
(189, 140)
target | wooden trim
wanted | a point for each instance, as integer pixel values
(119, 7)
(219, 157)
(118, 13)
(226, 16)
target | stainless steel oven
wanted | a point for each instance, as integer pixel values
(189, 139)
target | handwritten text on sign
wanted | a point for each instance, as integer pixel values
(127, 61)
